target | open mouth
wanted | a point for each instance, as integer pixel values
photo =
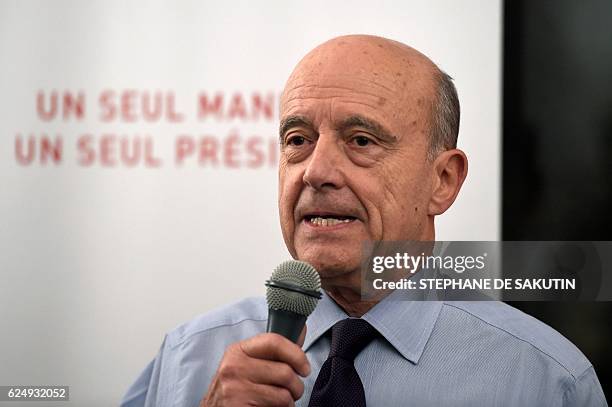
(328, 220)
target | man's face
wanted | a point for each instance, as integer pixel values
(353, 166)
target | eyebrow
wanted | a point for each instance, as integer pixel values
(293, 121)
(368, 124)
(350, 122)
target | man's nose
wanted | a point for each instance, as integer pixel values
(324, 168)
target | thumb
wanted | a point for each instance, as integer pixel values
(300, 341)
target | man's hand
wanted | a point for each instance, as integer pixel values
(260, 371)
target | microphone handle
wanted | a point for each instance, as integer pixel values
(285, 323)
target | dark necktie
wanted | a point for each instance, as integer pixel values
(338, 383)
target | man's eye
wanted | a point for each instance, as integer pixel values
(362, 141)
(296, 141)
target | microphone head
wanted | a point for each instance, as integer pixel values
(295, 287)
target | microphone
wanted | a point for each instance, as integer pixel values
(292, 294)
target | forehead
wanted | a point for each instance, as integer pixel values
(336, 96)
(342, 80)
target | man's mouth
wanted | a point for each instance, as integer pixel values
(328, 220)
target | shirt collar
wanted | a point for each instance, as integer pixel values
(406, 325)
(325, 315)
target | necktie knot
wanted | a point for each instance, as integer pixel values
(350, 336)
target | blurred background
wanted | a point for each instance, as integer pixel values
(139, 147)
(139, 163)
(557, 145)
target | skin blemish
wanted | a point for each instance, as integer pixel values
(398, 74)
(414, 123)
(420, 101)
(381, 101)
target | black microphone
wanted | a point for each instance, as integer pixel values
(292, 294)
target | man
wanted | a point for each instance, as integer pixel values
(368, 137)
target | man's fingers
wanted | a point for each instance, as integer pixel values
(262, 370)
(277, 374)
(272, 346)
(266, 395)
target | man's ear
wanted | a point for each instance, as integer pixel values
(449, 172)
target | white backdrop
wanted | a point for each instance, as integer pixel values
(99, 258)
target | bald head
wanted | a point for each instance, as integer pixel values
(413, 82)
(366, 56)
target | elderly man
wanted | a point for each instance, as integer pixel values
(368, 137)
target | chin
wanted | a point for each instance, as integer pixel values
(331, 261)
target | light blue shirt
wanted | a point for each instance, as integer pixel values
(430, 353)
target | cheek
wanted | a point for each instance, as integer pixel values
(403, 208)
(371, 187)
(289, 186)
(370, 194)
